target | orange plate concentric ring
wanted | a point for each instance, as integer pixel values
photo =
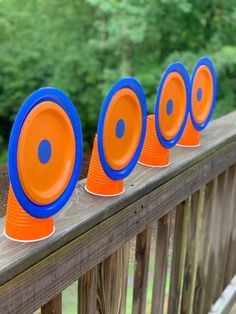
(122, 128)
(46, 153)
(172, 105)
(203, 93)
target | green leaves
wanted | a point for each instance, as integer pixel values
(85, 46)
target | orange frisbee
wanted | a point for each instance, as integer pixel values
(172, 105)
(46, 153)
(203, 93)
(121, 128)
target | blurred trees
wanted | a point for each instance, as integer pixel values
(84, 46)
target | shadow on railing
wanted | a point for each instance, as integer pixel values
(191, 203)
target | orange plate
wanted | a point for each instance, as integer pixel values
(202, 94)
(171, 119)
(120, 143)
(45, 175)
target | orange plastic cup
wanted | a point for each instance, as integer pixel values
(98, 183)
(153, 153)
(190, 137)
(22, 227)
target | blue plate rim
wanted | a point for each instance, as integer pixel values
(174, 67)
(57, 96)
(135, 86)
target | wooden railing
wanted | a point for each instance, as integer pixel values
(192, 206)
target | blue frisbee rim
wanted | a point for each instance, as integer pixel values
(57, 96)
(207, 62)
(179, 68)
(136, 87)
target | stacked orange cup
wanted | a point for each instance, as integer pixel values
(119, 140)
(165, 127)
(42, 178)
(203, 100)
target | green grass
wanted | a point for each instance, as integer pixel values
(3, 157)
(69, 299)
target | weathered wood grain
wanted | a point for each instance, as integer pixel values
(227, 221)
(178, 258)
(142, 252)
(231, 262)
(54, 306)
(80, 255)
(231, 244)
(84, 211)
(219, 227)
(226, 301)
(87, 292)
(202, 286)
(112, 282)
(209, 271)
(150, 193)
(224, 228)
(161, 264)
(192, 251)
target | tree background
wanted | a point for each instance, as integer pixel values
(85, 46)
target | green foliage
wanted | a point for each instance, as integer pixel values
(85, 46)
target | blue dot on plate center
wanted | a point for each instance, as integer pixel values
(120, 128)
(169, 106)
(199, 94)
(44, 151)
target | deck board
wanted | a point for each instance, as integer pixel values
(85, 211)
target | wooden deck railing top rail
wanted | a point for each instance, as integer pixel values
(91, 228)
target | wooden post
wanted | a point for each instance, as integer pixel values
(87, 292)
(179, 255)
(202, 280)
(226, 302)
(210, 263)
(192, 254)
(231, 252)
(54, 306)
(227, 224)
(161, 263)
(112, 282)
(142, 251)
(219, 230)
